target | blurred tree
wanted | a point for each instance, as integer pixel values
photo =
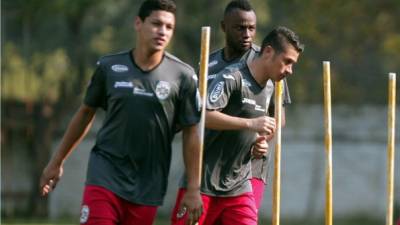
(45, 69)
(360, 38)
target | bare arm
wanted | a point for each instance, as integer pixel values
(260, 146)
(220, 121)
(191, 156)
(77, 129)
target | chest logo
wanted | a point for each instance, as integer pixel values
(163, 89)
(123, 84)
(119, 68)
(217, 92)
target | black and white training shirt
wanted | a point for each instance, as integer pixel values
(132, 153)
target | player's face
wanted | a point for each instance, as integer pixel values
(240, 28)
(280, 65)
(156, 30)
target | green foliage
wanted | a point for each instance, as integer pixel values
(47, 42)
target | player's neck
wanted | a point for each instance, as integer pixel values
(147, 60)
(258, 72)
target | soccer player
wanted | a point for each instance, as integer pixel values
(236, 109)
(239, 26)
(146, 93)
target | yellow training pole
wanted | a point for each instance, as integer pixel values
(276, 198)
(328, 142)
(205, 46)
(390, 147)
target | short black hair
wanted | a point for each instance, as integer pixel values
(238, 4)
(279, 37)
(149, 6)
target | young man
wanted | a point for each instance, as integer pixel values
(237, 99)
(146, 93)
(239, 26)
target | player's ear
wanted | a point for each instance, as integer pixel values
(268, 51)
(138, 23)
(222, 24)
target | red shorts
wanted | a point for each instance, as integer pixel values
(238, 210)
(102, 207)
(258, 190)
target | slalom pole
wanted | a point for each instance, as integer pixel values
(328, 142)
(391, 147)
(276, 189)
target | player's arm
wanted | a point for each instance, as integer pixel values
(191, 151)
(77, 129)
(221, 89)
(219, 121)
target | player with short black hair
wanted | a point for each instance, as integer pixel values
(146, 93)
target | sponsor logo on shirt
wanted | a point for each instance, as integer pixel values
(119, 68)
(228, 76)
(143, 92)
(248, 101)
(123, 84)
(246, 83)
(217, 92)
(259, 108)
(253, 102)
(163, 89)
(84, 214)
(213, 63)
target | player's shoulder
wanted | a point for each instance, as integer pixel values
(233, 71)
(215, 53)
(113, 58)
(178, 62)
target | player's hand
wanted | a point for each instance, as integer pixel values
(191, 204)
(260, 147)
(263, 124)
(49, 179)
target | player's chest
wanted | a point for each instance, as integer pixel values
(254, 100)
(142, 87)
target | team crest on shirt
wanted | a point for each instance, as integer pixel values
(119, 68)
(163, 89)
(217, 92)
(84, 214)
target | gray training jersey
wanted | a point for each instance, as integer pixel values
(227, 157)
(132, 153)
(217, 63)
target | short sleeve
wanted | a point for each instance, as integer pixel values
(96, 90)
(220, 90)
(189, 105)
